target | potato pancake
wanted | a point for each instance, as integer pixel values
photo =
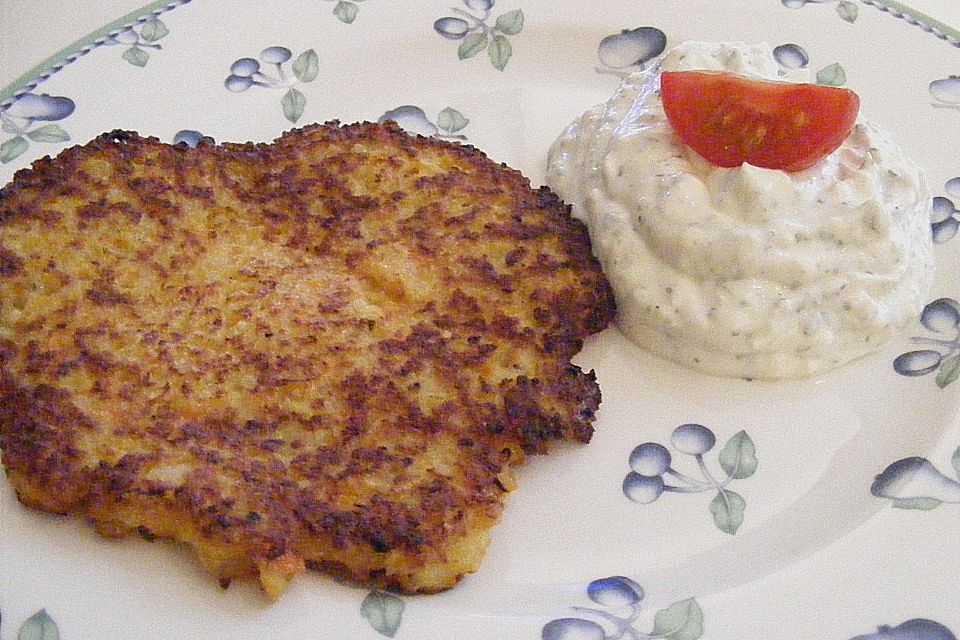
(327, 351)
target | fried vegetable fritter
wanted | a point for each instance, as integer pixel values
(325, 351)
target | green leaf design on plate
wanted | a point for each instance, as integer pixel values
(473, 44)
(293, 103)
(847, 10)
(833, 75)
(949, 371)
(739, 456)
(39, 626)
(956, 461)
(680, 621)
(510, 23)
(12, 148)
(136, 56)
(346, 12)
(153, 29)
(306, 66)
(727, 508)
(384, 611)
(48, 133)
(500, 52)
(451, 120)
(920, 504)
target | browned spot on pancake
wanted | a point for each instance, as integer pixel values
(10, 263)
(103, 293)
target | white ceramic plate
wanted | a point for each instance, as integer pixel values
(810, 545)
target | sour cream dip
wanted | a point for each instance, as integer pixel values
(745, 272)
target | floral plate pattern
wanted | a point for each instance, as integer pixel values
(836, 517)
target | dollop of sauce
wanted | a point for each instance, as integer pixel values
(745, 272)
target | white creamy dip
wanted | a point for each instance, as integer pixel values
(745, 272)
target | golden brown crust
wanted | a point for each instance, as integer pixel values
(326, 350)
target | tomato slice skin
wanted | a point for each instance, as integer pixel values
(731, 119)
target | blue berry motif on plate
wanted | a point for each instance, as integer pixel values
(191, 138)
(414, 120)
(914, 483)
(941, 316)
(249, 72)
(470, 26)
(630, 50)
(19, 119)
(621, 599)
(946, 218)
(650, 462)
(946, 92)
(791, 56)
(916, 629)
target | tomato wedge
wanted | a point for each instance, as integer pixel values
(729, 119)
